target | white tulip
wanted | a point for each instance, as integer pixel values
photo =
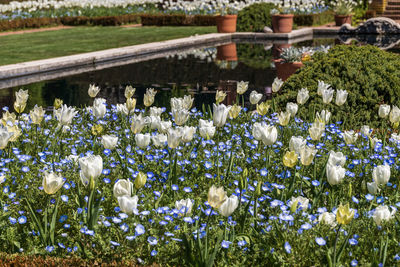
(336, 158)
(300, 202)
(350, 137)
(109, 141)
(180, 116)
(174, 137)
(383, 111)
(323, 117)
(255, 97)
(21, 97)
(302, 96)
(156, 111)
(373, 188)
(394, 115)
(159, 140)
(327, 95)
(220, 113)
(322, 86)
(229, 206)
(241, 87)
(5, 136)
(335, 174)
(187, 133)
(184, 206)
(37, 114)
(138, 123)
(276, 85)
(292, 108)
(341, 97)
(269, 134)
(142, 140)
(206, 129)
(365, 130)
(52, 182)
(127, 204)
(164, 126)
(91, 168)
(123, 187)
(99, 108)
(381, 174)
(65, 115)
(297, 143)
(382, 213)
(93, 90)
(328, 218)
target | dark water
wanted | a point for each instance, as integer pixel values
(198, 72)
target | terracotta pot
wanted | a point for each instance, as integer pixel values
(282, 23)
(342, 19)
(285, 70)
(227, 52)
(226, 24)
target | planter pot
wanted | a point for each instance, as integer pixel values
(282, 23)
(342, 19)
(285, 70)
(226, 24)
(227, 52)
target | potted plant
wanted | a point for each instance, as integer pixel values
(226, 17)
(282, 20)
(342, 10)
(290, 60)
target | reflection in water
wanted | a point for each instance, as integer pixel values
(199, 72)
(196, 73)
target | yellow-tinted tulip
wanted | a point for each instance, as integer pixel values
(290, 159)
(140, 180)
(307, 155)
(216, 196)
(57, 103)
(234, 111)
(19, 107)
(344, 214)
(97, 129)
(220, 96)
(262, 108)
(284, 118)
(130, 104)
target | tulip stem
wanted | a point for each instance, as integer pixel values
(334, 248)
(217, 160)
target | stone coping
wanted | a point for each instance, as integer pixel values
(40, 70)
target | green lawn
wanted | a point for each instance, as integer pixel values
(41, 45)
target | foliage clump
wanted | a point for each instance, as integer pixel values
(255, 17)
(371, 77)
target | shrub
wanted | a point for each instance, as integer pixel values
(371, 77)
(177, 20)
(255, 17)
(313, 19)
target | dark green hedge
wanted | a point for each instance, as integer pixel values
(6, 25)
(255, 17)
(313, 19)
(178, 20)
(370, 75)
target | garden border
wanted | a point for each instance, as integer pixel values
(40, 70)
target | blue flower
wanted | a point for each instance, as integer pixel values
(354, 263)
(115, 244)
(153, 253)
(320, 241)
(64, 198)
(288, 248)
(225, 244)
(152, 240)
(22, 220)
(49, 248)
(139, 230)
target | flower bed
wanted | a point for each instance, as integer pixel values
(224, 185)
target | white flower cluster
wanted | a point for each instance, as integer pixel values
(31, 6)
(226, 6)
